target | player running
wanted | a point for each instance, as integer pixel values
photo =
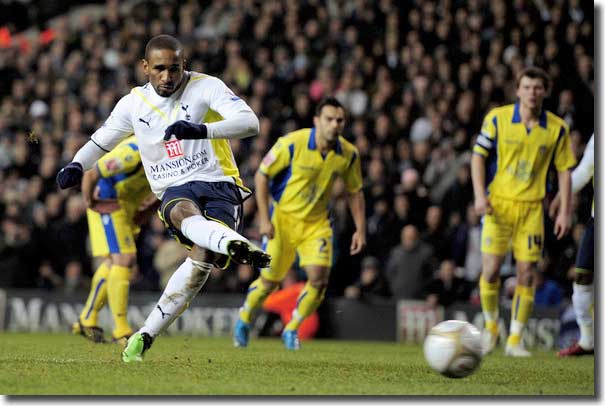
(182, 121)
(297, 174)
(514, 150)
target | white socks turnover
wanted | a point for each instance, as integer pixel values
(582, 299)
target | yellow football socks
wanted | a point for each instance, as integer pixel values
(257, 293)
(118, 284)
(490, 295)
(96, 297)
(522, 305)
(308, 301)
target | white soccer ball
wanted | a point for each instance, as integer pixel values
(453, 348)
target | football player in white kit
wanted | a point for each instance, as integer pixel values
(582, 298)
(182, 122)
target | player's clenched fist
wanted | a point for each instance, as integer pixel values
(184, 130)
(70, 176)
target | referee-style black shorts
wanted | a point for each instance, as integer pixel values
(585, 257)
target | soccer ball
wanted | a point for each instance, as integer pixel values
(453, 348)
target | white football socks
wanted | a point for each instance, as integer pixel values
(182, 286)
(209, 234)
(582, 299)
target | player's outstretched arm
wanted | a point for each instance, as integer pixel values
(117, 127)
(71, 174)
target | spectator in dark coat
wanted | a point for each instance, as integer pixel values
(447, 288)
(371, 283)
(410, 265)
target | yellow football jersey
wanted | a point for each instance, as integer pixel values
(518, 158)
(301, 178)
(122, 175)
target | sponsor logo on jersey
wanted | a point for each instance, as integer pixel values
(173, 148)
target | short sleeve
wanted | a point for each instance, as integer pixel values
(486, 140)
(352, 176)
(564, 157)
(278, 158)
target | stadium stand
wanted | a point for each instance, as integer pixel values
(416, 77)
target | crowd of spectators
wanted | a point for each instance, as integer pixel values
(416, 78)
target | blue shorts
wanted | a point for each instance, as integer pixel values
(217, 201)
(585, 257)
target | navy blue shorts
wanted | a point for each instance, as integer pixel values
(585, 257)
(218, 201)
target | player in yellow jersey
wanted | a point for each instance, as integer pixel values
(117, 193)
(511, 158)
(297, 174)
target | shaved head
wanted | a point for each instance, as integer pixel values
(163, 42)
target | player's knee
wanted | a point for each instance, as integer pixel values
(319, 284)
(491, 268)
(525, 274)
(269, 285)
(202, 254)
(181, 211)
(125, 260)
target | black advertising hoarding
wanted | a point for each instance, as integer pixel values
(215, 315)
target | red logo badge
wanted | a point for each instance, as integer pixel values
(173, 148)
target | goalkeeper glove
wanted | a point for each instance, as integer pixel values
(184, 130)
(70, 176)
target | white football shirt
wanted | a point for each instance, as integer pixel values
(585, 170)
(200, 99)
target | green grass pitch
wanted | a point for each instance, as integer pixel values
(61, 364)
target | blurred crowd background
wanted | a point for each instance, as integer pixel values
(416, 77)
